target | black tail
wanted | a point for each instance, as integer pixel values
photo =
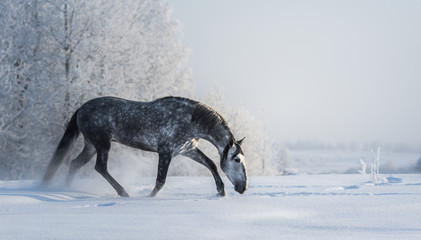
(63, 148)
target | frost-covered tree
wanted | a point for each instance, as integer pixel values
(243, 124)
(57, 54)
(147, 58)
(23, 83)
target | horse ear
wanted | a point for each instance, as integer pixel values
(231, 143)
(241, 141)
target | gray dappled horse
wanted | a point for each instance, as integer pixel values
(170, 126)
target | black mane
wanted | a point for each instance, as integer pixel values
(206, 117)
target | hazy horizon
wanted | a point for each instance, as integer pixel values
(323, 70)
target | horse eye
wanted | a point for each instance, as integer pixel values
(237, 159)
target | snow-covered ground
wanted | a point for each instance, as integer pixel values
(342, 206)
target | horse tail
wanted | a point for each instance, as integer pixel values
(63, 148)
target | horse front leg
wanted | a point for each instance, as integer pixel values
(163, 165)
(198, 156)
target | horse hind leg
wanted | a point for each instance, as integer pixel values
(101, 168)
(87, 153)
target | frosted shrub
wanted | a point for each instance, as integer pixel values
(243, 124)
(286, 165)
(363, 167)
(375, 167)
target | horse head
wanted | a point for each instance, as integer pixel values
(233, 165)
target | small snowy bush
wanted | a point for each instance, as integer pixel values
(375, 166)
(363, 168)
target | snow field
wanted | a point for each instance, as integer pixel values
(284, 207)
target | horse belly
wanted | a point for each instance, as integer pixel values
(137, 139)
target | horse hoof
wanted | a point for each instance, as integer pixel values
(124, 194)
(221, 194)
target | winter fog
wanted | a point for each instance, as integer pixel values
(329, 81)
(316, 70)
(315, 87)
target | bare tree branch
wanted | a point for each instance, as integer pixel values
(62, 44)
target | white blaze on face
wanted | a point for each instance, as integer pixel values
(234, 171)
(242, 158)
(231, 151)
(235, 168)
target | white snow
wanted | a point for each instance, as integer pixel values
(331, 206)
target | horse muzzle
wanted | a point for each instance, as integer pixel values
(241, 189)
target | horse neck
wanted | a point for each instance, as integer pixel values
(220, 137)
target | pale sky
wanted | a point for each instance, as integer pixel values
(321, 70)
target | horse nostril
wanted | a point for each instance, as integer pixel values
(240, 189)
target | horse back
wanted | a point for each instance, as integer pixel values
(143, 125)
